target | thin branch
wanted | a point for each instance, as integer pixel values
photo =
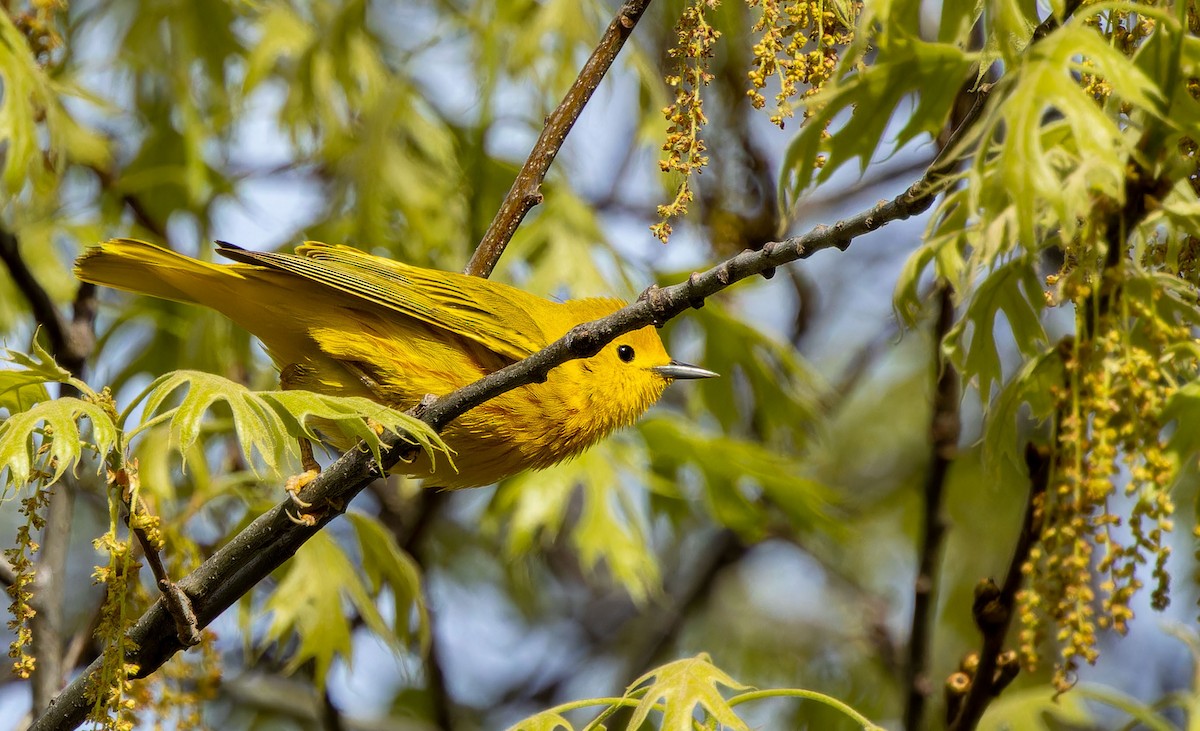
(944, 428)
(176, 600)
(993, 607)
(525, 192)
(44, 310)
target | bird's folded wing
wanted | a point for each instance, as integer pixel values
(488, 313)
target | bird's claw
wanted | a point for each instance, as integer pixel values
(305, 519)
(296, 483)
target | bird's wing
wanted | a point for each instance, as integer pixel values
(489, 313)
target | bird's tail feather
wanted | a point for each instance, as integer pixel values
(138, 266)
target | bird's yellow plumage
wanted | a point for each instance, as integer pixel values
(337, 320)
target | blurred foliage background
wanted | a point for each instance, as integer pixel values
(772, 518)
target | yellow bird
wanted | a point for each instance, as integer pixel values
(340, 321)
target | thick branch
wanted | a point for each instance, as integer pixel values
(525, 192)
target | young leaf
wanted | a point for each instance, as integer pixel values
(268, 422)
(544, 721)
(387, 565)
(683, 686)
(309, 604)
(1034, 385)
(347, 416)
(36, 367)
(610, 527)
(930, 72)
(1012, 289)
(58, 422)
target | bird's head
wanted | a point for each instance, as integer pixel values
(629, 374)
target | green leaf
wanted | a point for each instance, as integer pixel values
(1014, 290)
(1183, 409)
(1036, 709)
(20, 396)
(684, 686)
(37, 367)
(268, 422)
(904, 67)
(37, 133)
(610, 529)
(544, 721)
(1034, 385)
(347, 416)
(730, 465)
(57, 422)
(389, 566)
(309, 605)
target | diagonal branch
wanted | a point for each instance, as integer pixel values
(525, 192)
(44, 310)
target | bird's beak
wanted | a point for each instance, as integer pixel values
(679, 371)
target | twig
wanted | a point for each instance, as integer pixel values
(993, 607)
(178, 603)
(44, 310)
(525, 192)
(944, 428)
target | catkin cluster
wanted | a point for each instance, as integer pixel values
(39, 24)
(1107, 509)
(799, 46)
(684, 148)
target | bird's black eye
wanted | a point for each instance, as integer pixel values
(625, 353)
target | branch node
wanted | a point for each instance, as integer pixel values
(695, 299)
(658, 301)
(990, 613)
(427, 401)
(581, 340)
(187, 628)
(723, 274)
